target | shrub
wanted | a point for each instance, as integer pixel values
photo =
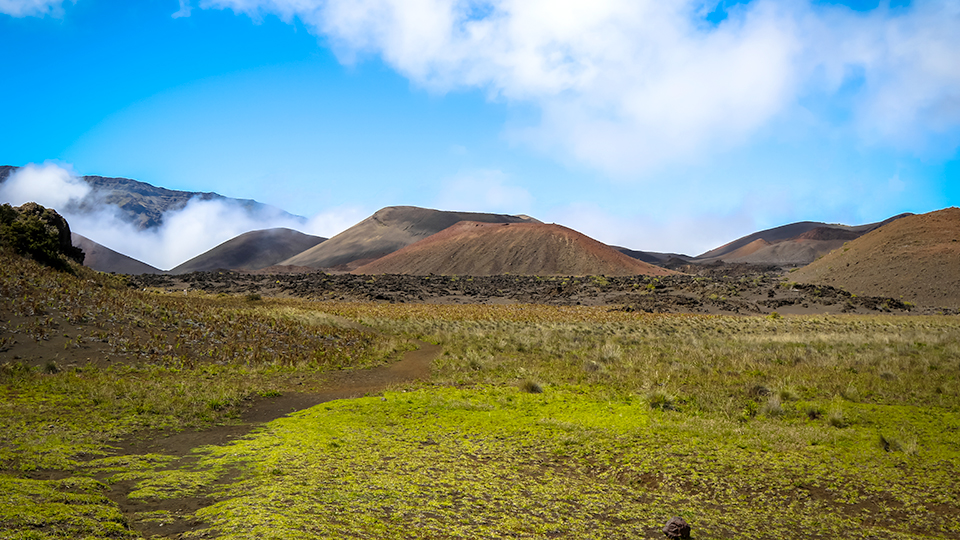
(40, 233)
(837, 419)
(662, 400)
(530, 387)
(773, 406)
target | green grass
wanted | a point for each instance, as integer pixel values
(495, 462)
(790, 427)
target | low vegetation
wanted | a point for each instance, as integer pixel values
(537, 421)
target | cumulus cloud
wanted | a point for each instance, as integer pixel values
(625, 85)
(184, 234)
(483, 190)
(32, 8)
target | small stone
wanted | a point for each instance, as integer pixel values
(677, 528)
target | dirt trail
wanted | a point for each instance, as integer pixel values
(413, 366)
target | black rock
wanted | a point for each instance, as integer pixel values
(677, 528)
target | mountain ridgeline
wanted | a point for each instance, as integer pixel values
(912, 257)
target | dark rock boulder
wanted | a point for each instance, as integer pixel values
(677, 527)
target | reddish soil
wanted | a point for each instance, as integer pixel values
(386, 231)
(487, 249)
(916, 258)
(829, 233)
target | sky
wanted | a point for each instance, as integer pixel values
(658, 126)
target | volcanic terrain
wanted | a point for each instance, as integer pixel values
(104, 259)
(485, 249)
(916, 258)
(251, 251)
(386, 231)
(794, 244)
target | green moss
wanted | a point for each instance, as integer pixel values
(71, 508)
(495, 462)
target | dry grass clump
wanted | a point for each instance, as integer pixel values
(530, 387)
(662, 400)
(836, 417)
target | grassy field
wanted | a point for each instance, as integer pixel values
(536, 422)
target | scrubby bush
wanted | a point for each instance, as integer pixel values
(40, 233)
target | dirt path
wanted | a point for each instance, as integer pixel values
(414, 365)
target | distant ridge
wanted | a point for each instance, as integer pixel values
(916, 258)
(482, 249)
(104, 259)
(252, 250)
(386, 231)
(794, 244)
(144, 204)
(651, 257)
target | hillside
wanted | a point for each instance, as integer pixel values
(253, 250)
(482, 249)
(916, 258)
(104, 259)
(652, 257)
(386, 231)
(789, 245)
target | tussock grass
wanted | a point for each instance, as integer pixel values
(789, 427)
(170, 361)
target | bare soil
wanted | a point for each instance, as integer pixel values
(489, 249)
(916, 259)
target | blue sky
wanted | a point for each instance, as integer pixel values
(653, 125)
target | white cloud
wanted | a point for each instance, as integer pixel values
(334, 221)
(184, 11)
(625, 85)
(48, 185)
(32, 8)
(483, 191)
(184, 234)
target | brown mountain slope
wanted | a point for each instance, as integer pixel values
(796, 254)
(104, 259)
(251, 251)
(386, 231)
(917, 257)
(483, 249)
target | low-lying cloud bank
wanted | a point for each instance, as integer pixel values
(184, 234)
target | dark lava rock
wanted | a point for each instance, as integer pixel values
(677, 528)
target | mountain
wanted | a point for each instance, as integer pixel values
(253, 250)
(651, 257)
(916, 257)
(143, 204)
(104, 259)
(483, 249)
(386, 231)
(793, 244)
